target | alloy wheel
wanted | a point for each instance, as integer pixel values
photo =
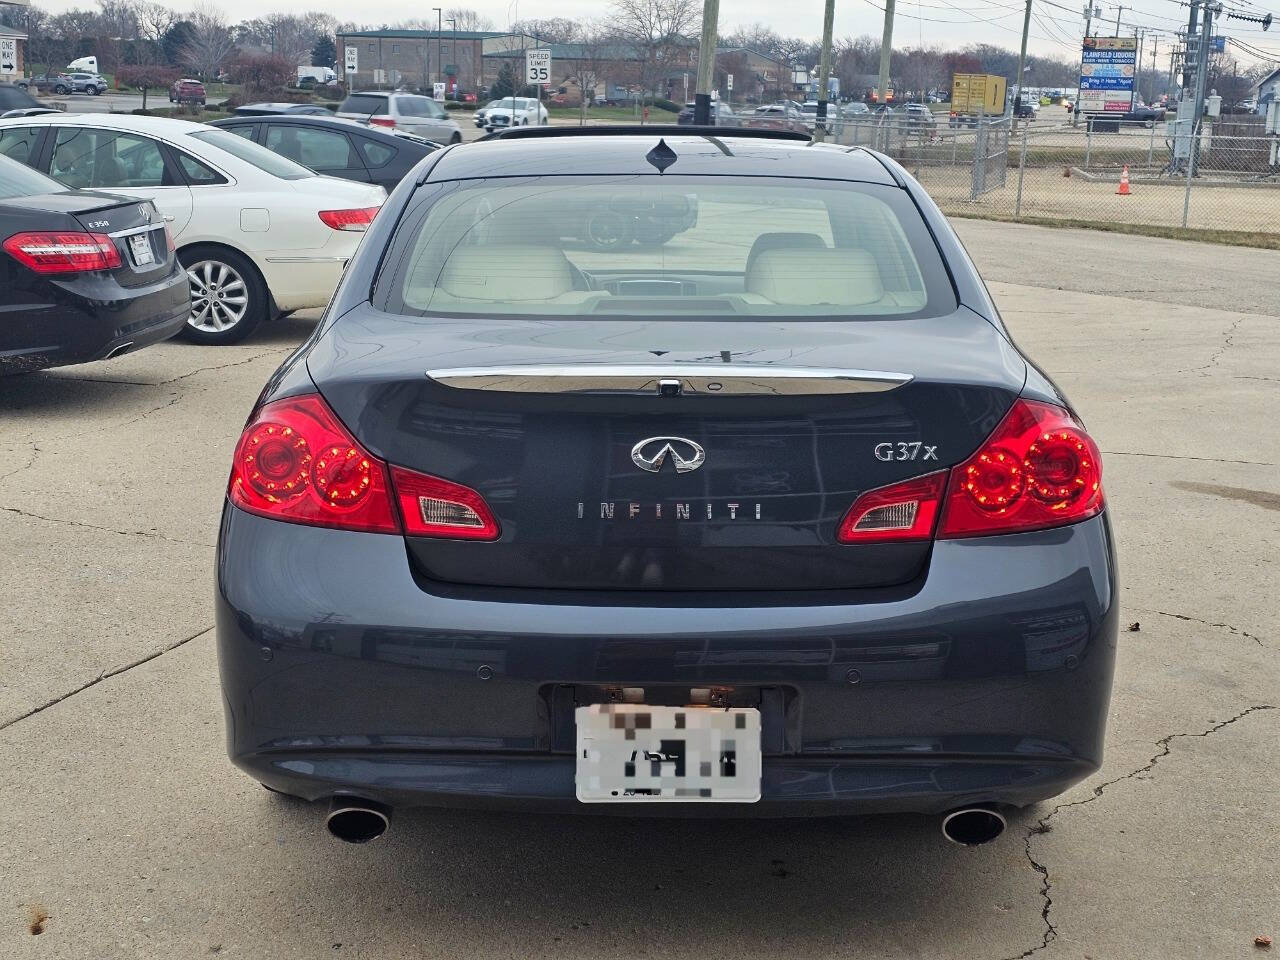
(219, 297)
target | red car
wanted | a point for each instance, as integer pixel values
(187, 91)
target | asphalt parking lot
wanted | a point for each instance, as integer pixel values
(129, 835)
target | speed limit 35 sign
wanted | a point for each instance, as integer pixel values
(537, 66)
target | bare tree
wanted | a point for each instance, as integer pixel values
(595, 57)
(468, 19)
(211, 44)
(154, 19)
(663, 30)
(551, 29)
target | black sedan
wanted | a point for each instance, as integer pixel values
(334, 146)
(782, 525)
(282, 110)
(16, 102)
(83, 275)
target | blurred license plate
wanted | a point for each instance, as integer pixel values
(140, 249)
(633, 753)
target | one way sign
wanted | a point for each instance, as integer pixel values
(8, 55)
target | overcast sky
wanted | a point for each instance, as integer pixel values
(1054, 31)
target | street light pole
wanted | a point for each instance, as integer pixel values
(439, 45)
(454, 22)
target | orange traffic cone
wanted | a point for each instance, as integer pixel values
(1123, 190)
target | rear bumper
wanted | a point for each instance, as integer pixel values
(88, 318)
(342, 672)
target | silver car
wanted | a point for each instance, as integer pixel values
(90, 83)
(421, 116)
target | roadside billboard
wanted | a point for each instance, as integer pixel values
(1106, 74)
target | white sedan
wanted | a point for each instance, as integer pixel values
(259, 234)
(515, 111)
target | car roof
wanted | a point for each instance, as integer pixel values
(624, 154)
(321, 120)
(156, 126)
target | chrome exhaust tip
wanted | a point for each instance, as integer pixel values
(119, 349)
(972, 826)
(356, 820)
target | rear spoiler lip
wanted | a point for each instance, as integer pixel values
(669, 379)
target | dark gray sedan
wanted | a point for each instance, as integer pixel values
(334, 146)
(773, 519)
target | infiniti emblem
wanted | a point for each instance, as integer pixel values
(651, 453)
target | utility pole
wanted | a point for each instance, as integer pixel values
(1155, 66)
(706, 63)
(1088, 20)
(824, 71)
(1211, 7)
(1022, 57)
(1119, 10)
(1186, 59)
(1137, 69)
(886, 48)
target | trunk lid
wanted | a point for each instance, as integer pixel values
(542, 418)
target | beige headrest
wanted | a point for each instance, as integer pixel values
(846, 277)
(506, 272)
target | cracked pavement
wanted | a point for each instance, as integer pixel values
(125, 824)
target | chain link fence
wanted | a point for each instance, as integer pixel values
(1223, 176)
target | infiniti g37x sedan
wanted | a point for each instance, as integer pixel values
(770, 519)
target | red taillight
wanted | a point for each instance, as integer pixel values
(431, 507)
(382, 122)
(296, 462)
(63, 252)
(357, 219)
(902, 511)
(1038, 469)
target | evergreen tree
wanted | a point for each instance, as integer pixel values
(324, 53)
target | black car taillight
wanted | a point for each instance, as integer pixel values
(63, 252)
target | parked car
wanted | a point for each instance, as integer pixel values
(918, 116)
(402, 111)
(478, 117)
(810, 110)
(722, 114)
(187, 91)
(281, 109)
(849, 551)
(1148, 116)
(15, 101)
(48, 82)
(335, 147)
(777, 116)
(83, 275)
(516, 112)
(90, 83)
(258, 233)
(854, 110)
(1026, 109)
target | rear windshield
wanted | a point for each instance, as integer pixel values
(251, 153)
(17, 180)
(369, 104)
(653, 247)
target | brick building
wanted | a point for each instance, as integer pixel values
(416, 58)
